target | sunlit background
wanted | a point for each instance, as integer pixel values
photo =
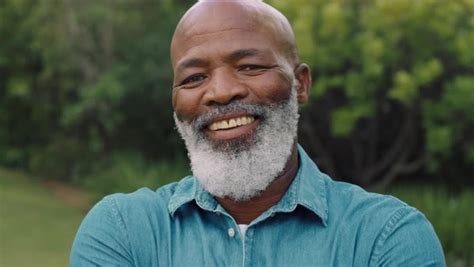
(85, 110)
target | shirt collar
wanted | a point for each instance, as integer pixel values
(311, 190)
(308, 189)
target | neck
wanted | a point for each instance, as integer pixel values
(245, 212)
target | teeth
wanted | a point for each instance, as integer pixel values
(231, 123)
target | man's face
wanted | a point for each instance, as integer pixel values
(219, 62)
(235, 99)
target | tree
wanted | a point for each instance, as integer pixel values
(82, 80)
(393, 87)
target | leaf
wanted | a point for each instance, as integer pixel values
(19, 86)
(439, 139)
(405, 89)
(459, 96)
(344, 119)
(426, 72)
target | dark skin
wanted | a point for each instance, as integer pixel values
(246, 52)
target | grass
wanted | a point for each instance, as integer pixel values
(36, 227)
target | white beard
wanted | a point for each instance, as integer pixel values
(242, 169)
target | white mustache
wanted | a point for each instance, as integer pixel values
(255, 110)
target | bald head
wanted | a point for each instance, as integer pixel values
(210, 16)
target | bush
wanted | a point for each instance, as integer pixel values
(392, 92)
(64, 159)
(126, 172)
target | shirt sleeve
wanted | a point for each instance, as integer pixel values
(407, 239)
(102, 238)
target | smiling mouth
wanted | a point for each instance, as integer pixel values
(231, 123)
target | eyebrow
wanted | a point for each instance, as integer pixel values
(192, 62)
(234, 56)
(242, 53)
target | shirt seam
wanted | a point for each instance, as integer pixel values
(389, 226)
(175, 206)
(119, 218)
(322, 211)
(310, 175)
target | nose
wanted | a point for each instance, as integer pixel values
(224, 88)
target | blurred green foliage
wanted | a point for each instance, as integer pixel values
(126, 172)
(83, 82)
(393, 87)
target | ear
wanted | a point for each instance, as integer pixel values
(303, 78)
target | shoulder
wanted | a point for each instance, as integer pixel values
(142, 198)
(349, 198)
(373, 211)
(120, 207)
(395, 234)
(115, 229)
(146, 200)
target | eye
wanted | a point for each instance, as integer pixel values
(196, 78)
(251, 67)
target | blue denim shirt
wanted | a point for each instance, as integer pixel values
(318, 222)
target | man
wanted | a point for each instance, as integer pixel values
(255, 197)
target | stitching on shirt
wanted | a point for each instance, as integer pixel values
(177, 205)
(321, 198)
(206, 204)
(177, 197)
(293, 195)
(318, 202)
(119, 218)
(387, 229)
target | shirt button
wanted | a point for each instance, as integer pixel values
(231, 232)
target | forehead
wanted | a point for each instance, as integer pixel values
(233, 26)
(229, 46)
(214, 16)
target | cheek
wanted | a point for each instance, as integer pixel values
(272, 87)
(186, 103)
